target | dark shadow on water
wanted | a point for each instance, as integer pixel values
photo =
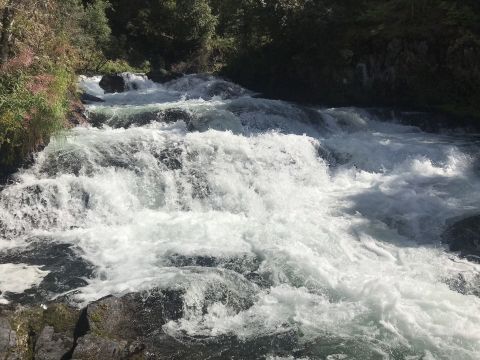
(67, 269)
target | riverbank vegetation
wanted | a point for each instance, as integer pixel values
(411, 53)
(422, 53)
(43, 45)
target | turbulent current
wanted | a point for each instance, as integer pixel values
(317, 225)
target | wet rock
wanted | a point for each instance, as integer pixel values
(77, 114)
(65, 163)
(464, 237)
(246, 265)
(173, 115)
(113, 83)
(37, 333)
(167, 116)
(93, 347)
(243, 264)
(51, 345)
(97, 119)
(333, 158)
(142, 118)
(171, 158)
(281, 344)
(465, 283)
(119, 328)
(224, 89)
(8, 338)
(135, 315)
(130, 327)
(87, 98)
(337, 348)
(162, 75)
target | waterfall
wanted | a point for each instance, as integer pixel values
(272, 217)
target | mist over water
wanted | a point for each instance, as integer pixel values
(323, 224)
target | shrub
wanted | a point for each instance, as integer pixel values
(32, 107)
(47, 43)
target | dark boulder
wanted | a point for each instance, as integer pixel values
(135, 315)
(94, 347)
(465, 283)
(140, 118)
(113, 83)
(464, 237)
(131, 327)
(37, 332)
(225, 90)
(77, 114)
(51, 345)
(163, 76)
(126, 327)
(87, 98)
(8, 338)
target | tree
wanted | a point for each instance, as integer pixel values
(5, 37)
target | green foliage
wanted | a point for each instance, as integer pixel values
(423, 53)
(165, 33)
(50, 41)
(420, 53)
(32, 108)
(87, 29)
(194, 20)
(120, 66)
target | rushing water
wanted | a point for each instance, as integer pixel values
(275, 219)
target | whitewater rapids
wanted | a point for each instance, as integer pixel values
(324, 223)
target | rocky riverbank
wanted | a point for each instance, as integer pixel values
(128, 327)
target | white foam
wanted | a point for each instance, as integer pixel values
(352, 251)
(16, 278)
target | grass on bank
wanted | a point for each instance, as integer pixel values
(33, 106)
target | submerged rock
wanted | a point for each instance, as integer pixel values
(135, 315)
(465, 283)
(464, 237)
(246, 265)
(113, 83)
(87, 98)
(131, 327)
(162, 75)
(141, 118)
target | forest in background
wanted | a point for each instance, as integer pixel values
(422, 54)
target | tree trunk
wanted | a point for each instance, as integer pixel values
(6, 34)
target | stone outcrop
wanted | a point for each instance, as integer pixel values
(37, 332)
(127, 327)
(141, 118)
(162, 76)
(113, 83)
(464, 237)
(78, 114)
(87, 98)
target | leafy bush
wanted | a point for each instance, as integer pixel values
(32, 108)
(47, 42)
(120, 66)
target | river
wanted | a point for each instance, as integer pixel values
(272, 217)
